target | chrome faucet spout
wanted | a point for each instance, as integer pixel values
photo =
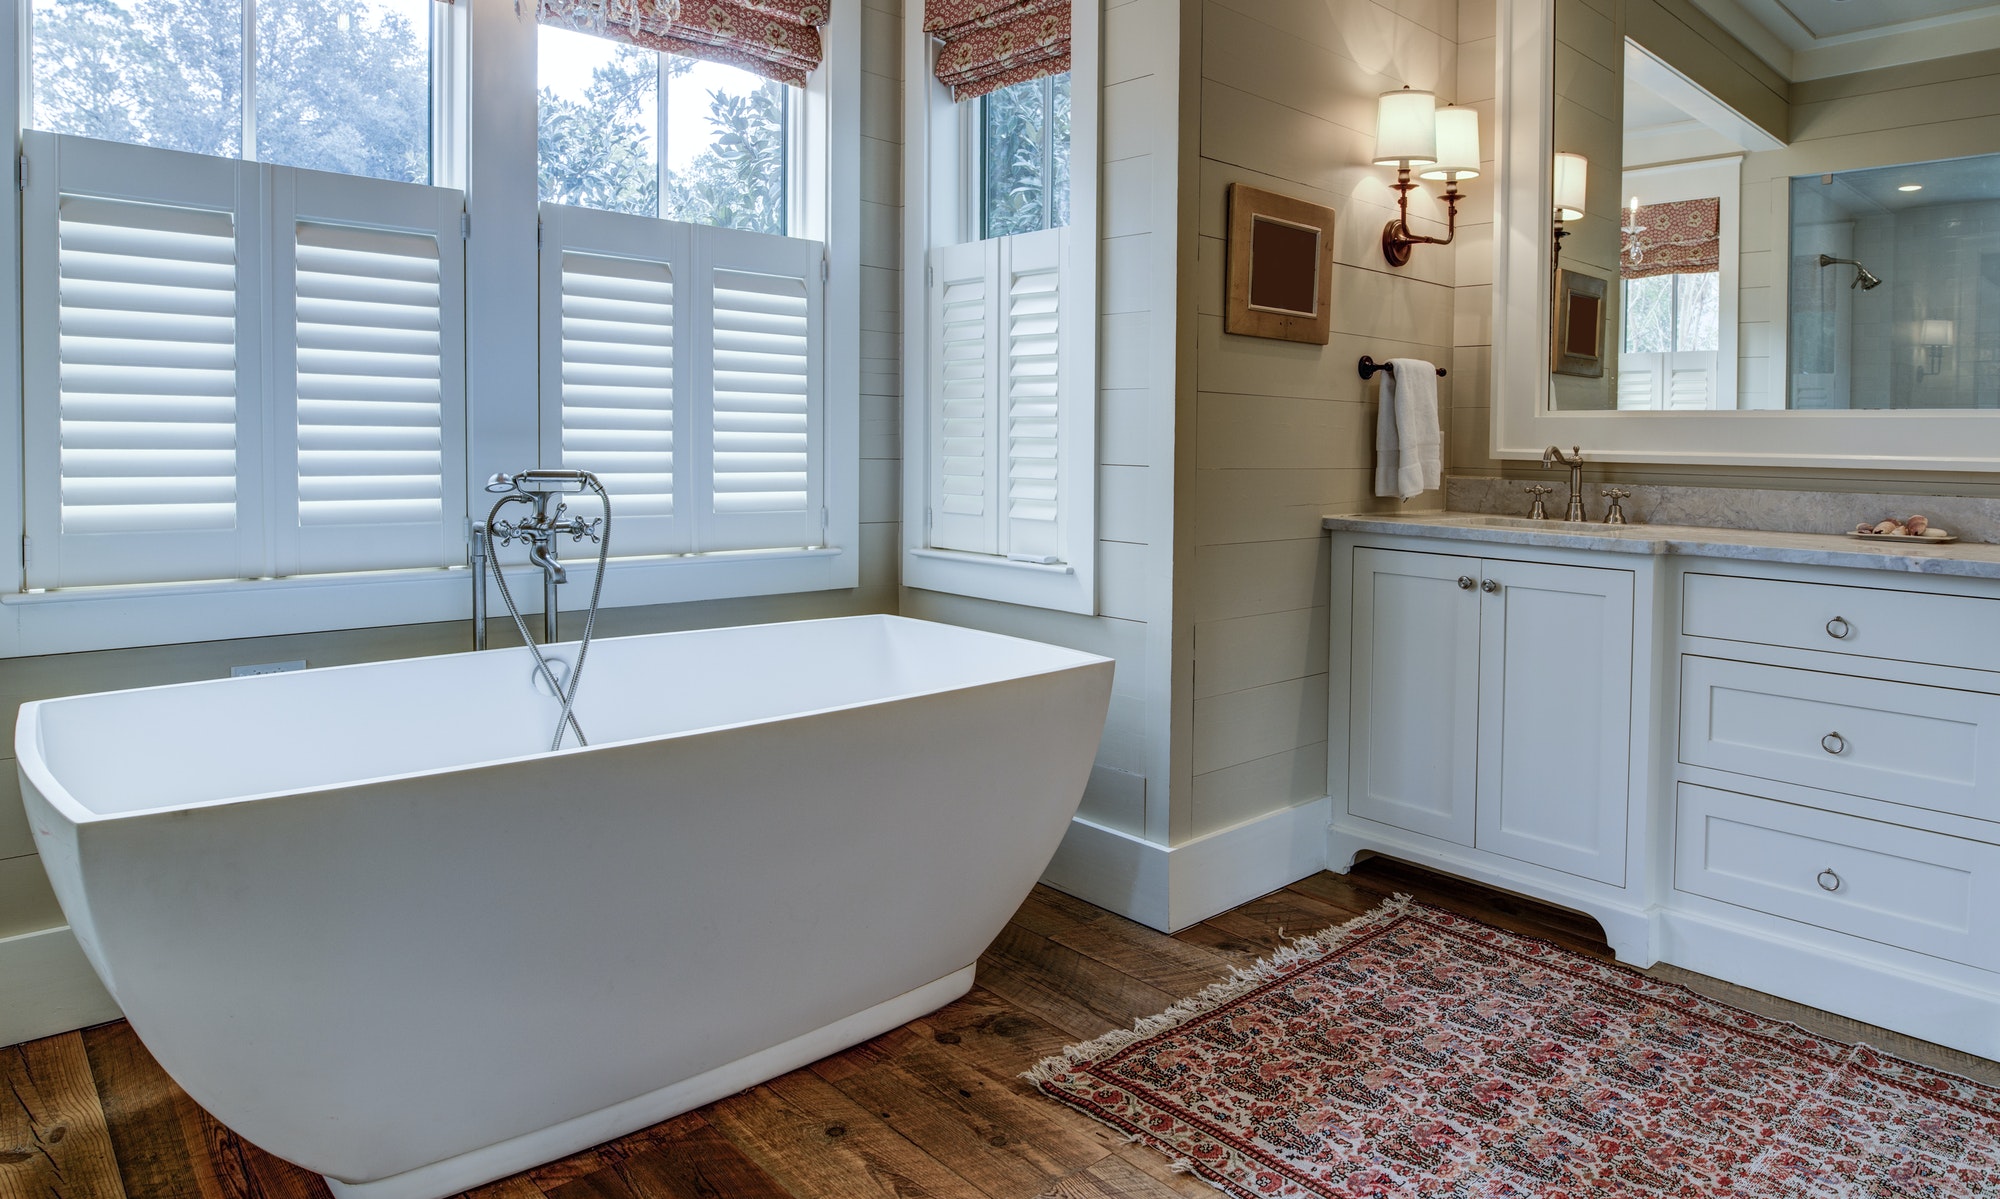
(1574, 460)
(550, 566)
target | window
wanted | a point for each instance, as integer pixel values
(245, 372)
(1000, 411)
(1023, 157)
(331, 85)
(1678, 287)
(250, 372)
(659, 135)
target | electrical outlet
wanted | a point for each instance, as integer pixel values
(240, 672)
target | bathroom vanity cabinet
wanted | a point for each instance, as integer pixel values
(1482, 718)
(1777, 765)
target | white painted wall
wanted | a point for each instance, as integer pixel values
(1129, 789)
(1281, 432)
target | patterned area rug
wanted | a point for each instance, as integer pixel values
(1417, 1053)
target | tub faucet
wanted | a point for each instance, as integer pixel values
(1573, 460)
(544, 489)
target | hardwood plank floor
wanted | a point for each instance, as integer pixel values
(934, 1108)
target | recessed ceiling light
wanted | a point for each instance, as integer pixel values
(1911, 187)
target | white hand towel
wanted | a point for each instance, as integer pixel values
(1409, 449)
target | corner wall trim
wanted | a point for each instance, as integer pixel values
(47, 987)
(1172, 887)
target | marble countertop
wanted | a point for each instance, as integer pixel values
(1964, 559)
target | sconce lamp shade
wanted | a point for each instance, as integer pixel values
(1457, 145)
(1936, 333)
(1406, 129)
(1571, 177)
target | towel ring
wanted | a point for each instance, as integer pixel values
(1369, 366)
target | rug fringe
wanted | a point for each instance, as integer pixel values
(1242, 981)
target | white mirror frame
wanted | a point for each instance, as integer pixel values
(1523, 424)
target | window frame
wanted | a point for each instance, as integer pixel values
(941, 185)
(973, 141)
(484, 104)
(1721, 176)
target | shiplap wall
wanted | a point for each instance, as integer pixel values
(1135, 366)
(1590, 116)
(26, 903)
(1470, 436)
(1283, 432)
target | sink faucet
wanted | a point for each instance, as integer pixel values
(1573, 460)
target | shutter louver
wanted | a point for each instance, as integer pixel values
(617, 363)
(370, 370)
(1691, 388)
(1033, 395)
(146, 362)
(962, 389)
(760, 407)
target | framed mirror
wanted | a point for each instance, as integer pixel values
(1715, 188)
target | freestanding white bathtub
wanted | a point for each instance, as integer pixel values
(366, 920)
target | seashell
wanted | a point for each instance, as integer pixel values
(1935, 534)
(1917, 525)
(1888, 527)
(1864, 527)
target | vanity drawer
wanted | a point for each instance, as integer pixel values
(1906, 887)
(1874, 622)
(1927, 747)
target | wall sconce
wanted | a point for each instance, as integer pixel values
(1936, 337)
(1412, 131)
(1572, 174)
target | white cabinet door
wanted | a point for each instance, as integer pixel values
(1555, 702)
(1413, 737)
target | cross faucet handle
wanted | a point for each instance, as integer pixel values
(1539, 511)
(1615, 514)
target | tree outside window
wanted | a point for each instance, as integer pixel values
(1024, 157)
(713, 154)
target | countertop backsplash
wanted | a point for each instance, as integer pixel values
(1769, 510)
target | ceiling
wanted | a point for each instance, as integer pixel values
(1814, 39)
(1833, 18)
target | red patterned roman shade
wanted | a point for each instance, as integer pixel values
(778, 39)
(1679, 237)
(989, 44)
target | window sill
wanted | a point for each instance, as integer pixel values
(1057, 586)
(96, 618)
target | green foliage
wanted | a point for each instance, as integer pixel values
(167, 73)
(1025, 136)
(598, 153)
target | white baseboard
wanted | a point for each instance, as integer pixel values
(47, 987)
(1172, 887)
(1922, 1005)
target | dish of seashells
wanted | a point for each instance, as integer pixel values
(1916, 528)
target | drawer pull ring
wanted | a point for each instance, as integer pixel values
(1467, 582)
(1833, 743)
(1838, 628)
(1828, 880)
(1490, 586)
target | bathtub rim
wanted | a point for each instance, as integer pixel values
(33, 765)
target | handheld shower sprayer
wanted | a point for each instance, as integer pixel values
(1864, 278)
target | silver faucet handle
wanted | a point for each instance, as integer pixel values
(1615, 514)
(1539, 510)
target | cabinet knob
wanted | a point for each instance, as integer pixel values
(1828, 880)
(1838, 628)
(1467, 582)
(1489, 586)
(1833, 743)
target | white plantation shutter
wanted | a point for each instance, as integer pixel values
(999, 388)
(369, 349)
(1034, 395)
(142, 432)
(683, 365)
(964, 314)
(610, 318)
(236, 371)
(759, 376)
